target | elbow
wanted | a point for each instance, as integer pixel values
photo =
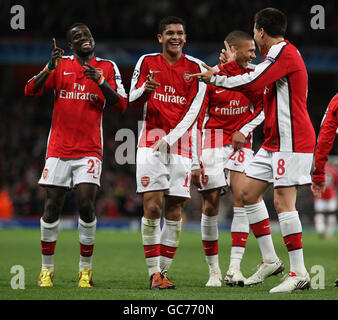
(120, 105)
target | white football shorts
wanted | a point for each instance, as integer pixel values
(283, 169)
(325, 205)
(66, 172)
(156, 171)
(216, 160)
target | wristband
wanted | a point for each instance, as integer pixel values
(47, 69)
(49, 66)
(101, 80)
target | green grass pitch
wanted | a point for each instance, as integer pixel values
(120, 271)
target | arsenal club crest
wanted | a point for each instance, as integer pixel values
(205, 179)
(45, 173)
(145, 181)
(187, 76)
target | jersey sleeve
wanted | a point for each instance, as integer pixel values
(273, 67)
(257, 116)
(32, 91)
(137, 95)
(196, 140)
(115, 81)
(325, 140)
(195, 99)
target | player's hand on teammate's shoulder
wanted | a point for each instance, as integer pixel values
(151, 85)
(56, 54)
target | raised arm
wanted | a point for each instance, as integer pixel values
(36, 84)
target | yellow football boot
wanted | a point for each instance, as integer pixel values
(86, 278)
(46, 278)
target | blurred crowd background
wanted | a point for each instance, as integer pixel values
(124, 30)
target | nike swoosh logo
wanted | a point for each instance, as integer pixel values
(277, 178)
(219, 91)
(67, 73)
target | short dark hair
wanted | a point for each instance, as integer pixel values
(273, 21)
(170, 20)
(76, 24)
(234, 38)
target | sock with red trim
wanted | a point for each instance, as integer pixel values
(239, 234)
(87, 238)
(151, 235)
(260, 225)
(291, 229)
(209, 231)
(49, 233)
(170, 237)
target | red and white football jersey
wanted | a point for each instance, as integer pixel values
(326, 138)
(76, 129)
(172, 110)
(283, 76)
(226, 111)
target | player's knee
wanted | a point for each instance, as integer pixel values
(87, 211)
(238, 200)
(210, 210)
(152, 209)
(51, 212)
(246, 197)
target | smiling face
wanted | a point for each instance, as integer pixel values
(81, 41)
(172, 39)
(245, 53)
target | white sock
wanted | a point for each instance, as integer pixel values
(291, 229)
(319, 221)
(209, 231)
(170, 237)
(259, 223)
(151, 234)
(49, 233)
(239, 231)
(87, 240)
(331, 225)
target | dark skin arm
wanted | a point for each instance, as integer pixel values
(42, 77)
(112, 97)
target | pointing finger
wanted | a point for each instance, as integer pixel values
(207, 67)
(54, 43)
(227, 46)
(196, 75)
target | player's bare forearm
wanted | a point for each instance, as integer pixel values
(112, 97)
(40, 80)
